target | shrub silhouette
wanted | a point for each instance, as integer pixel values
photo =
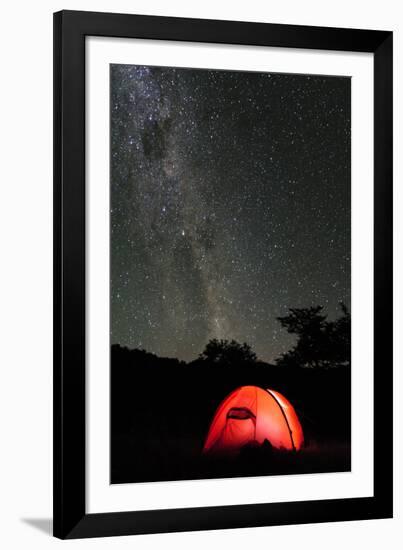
(227, 352)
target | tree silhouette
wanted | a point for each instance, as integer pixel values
(320, 343)
(225, 352)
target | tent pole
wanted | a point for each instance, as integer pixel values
(285, 418)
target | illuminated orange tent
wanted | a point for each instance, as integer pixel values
(253, 415)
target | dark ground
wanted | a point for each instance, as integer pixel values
(162, 410)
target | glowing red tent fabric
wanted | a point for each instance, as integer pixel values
(252, 415)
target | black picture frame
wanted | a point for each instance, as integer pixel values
(70, 517)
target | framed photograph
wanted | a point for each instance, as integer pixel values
(223, 274)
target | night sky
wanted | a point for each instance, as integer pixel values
(230, 202)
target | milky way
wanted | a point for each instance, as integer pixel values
(230, 203)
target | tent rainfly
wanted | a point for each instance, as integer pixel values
(252, 415)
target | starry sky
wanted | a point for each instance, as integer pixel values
(230, 203)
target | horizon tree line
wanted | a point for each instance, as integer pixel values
(320, 343)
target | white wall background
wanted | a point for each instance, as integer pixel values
(26, 271)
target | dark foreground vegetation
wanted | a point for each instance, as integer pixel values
(162, 408)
